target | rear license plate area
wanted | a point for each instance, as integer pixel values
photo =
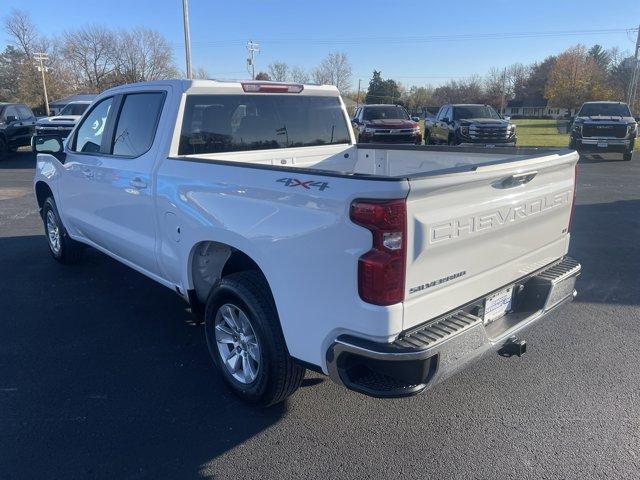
(497, 305)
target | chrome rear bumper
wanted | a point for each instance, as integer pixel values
(424, 355)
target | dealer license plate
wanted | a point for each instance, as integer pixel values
(497, 305)
(603, 144)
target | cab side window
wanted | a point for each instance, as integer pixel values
(440, 115)
(137, 123)
(10, 111)
(89, 136)
(25, 112)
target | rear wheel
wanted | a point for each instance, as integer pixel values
(246, 342)
(3, 147)
(426, 137)
(62, 247)
(627, 156)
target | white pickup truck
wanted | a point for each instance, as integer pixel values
(386, 267)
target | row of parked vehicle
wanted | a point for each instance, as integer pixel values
(18, 123)
(597, 128)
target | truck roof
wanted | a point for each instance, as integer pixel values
(225, 86)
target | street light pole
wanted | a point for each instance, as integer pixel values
(187, 37)
(42, 57)
(633, 85)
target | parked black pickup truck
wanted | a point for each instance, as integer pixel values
(469, 124)
(604, 127)
(17, 124)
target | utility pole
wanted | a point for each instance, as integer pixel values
(504, 93)
(41, 58)
(358, 97)
(252, 48)
(187, 37)
(633, 85)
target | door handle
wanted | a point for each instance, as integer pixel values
(138, 183)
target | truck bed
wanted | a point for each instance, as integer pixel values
(390, 162)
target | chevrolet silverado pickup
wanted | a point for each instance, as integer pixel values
(468, 124)
(387, 267)
(63, 123)
(601, 127)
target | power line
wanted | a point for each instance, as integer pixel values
(425, 39)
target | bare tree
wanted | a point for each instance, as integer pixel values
(335, 69)
(91, 53)
(22, 32)
(143, 55)
(278, 71)
(201, 74)
(299, 75)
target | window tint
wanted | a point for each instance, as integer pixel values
(227, 123)
(137, 123)
(24, 112)
(74, 109)
(10, 111)
(474, 111)
(391, 112)
(440, 115)
(89, 136)
(605, 109)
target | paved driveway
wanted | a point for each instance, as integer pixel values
(103, 375)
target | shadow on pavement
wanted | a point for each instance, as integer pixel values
(103, 374)
(605, 240)
(20, 159)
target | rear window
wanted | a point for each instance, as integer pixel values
(232, 123)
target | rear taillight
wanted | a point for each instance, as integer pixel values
(260, 87)
(573, 203)
(381, 271)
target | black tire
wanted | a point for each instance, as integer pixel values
(627, 156)
(3, 147)
(426, 137)
(278, 375)
(68, 251)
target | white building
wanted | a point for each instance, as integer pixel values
(534, 108)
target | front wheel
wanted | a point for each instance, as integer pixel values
(246, 342)
(627, 156)
(62, 247)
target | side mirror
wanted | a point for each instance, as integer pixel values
(51, 144)
(11, 119)
(446, 120)
(507, 118)
(355, 120)
(415, 119)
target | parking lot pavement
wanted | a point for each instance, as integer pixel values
(103, 375)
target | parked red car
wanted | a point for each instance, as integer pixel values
(386, 124)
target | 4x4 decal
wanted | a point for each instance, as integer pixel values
(309, 184)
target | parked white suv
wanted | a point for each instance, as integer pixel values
(386, 267)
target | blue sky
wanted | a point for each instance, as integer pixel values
(303, 32)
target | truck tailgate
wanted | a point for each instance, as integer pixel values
(471, 233)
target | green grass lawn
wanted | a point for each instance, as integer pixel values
(540, 133)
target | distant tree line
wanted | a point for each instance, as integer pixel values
(93, 58)
(89, 59)
(567, 80)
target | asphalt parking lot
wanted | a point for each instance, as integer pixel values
(104, 375)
